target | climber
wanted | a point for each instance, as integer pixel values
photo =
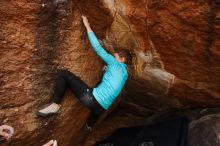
(97, 99)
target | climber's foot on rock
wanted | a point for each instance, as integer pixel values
(49, 110)
(88, 127)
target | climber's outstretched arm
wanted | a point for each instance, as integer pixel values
(108, 58)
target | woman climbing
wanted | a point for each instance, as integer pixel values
(97, 99)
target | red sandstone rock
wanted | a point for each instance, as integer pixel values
(175, 47)
(185, 36)
(37, 38)
(176, 44)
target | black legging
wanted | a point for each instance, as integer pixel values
(80, 89)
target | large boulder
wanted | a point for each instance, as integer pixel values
(174, 44)
(176, 48)
(205, 131)
(37, 38)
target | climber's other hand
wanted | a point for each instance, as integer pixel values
(51, 143)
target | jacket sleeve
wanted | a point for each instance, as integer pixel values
(108, 58)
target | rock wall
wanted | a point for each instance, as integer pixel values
(203, 127)
(174, 44)
(176, 49)
(187, 37)
(204, 131)
(37, 38)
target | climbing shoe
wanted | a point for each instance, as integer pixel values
(49, 110)
(88, 127)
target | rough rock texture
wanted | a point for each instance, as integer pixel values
(37, 38)
(187, 37)
(176, 44)
(207, 131)
(203, 124)
(175, 47)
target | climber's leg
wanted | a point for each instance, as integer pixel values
(96, 111)
(91, 121)
(65, 79)
(93, 118)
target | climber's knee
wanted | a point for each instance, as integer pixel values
(62, 72)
